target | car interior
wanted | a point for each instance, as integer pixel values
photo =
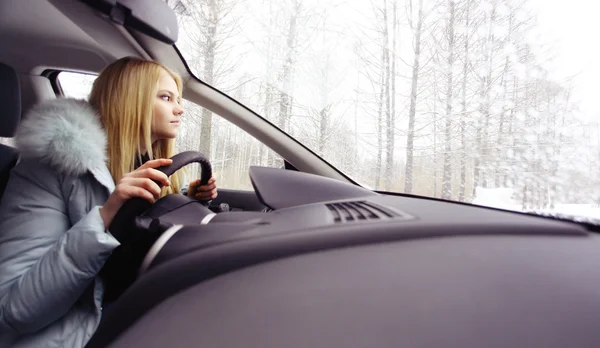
(308, 257)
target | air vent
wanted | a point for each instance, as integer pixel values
(343, 212)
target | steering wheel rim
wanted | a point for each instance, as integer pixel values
(124, 218)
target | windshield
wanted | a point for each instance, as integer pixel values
(486, 102)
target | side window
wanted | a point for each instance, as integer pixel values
(231, 150)
(76, 85)
(7, 141)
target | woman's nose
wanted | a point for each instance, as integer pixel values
(178, 110)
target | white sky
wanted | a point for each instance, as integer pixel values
(574, 25)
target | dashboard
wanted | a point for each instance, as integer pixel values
(340, 266)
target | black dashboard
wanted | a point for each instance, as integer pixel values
(335, 265)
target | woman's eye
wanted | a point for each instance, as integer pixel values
(165, 97)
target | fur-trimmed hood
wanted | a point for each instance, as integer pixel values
(64, 133)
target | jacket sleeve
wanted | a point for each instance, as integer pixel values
(45, 264)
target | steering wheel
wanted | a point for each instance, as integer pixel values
(124, 221)
(121, 268)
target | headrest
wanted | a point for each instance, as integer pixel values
(10, 101)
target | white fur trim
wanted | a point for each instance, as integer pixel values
(65, 134)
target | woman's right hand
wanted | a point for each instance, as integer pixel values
(138, 183)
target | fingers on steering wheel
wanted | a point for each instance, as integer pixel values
(155, 163)
(195, 183)
(192, 187)
(206, 194)
(209, 188)
(153, 174)
(148, 185)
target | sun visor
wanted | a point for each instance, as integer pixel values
(151, 17)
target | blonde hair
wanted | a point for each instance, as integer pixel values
(123, 94)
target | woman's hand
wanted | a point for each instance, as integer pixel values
(138, 183)
(203, 192)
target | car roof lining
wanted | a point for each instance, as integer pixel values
(49, 35)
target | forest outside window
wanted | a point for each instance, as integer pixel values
(488, 102)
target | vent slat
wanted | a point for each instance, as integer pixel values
(366, 213)
(353, 211)
(336, 214)
(344, 212)
(378, 209)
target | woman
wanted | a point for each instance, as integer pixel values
(79, 163)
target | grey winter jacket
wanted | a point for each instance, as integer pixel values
(52, 238)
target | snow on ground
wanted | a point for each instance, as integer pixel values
(503, 198)
(496, 197)
(587, 210)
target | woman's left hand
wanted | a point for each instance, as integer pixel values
(203, 192)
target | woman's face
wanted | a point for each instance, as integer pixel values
(167, 111)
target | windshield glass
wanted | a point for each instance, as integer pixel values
(486, 102)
